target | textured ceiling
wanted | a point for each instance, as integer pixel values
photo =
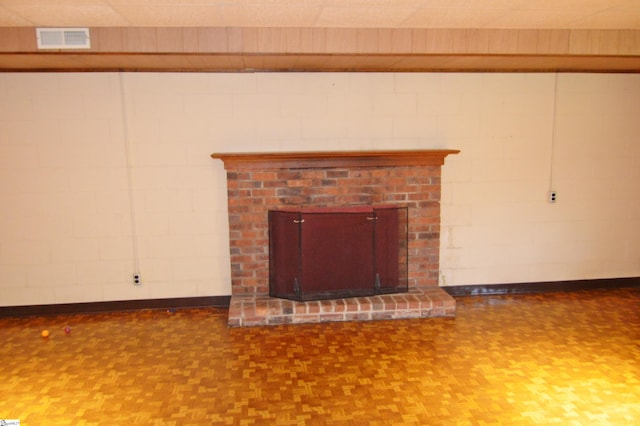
(328, 35)
(478, 14)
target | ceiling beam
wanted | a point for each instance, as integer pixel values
(328, 49)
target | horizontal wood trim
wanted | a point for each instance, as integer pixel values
(115, 306)
(308, 160)
(343, 40)
(541, 287)
(329, 49)
(199, 62)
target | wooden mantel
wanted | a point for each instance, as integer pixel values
(328, 159)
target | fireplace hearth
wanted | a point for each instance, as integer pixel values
(261, 182)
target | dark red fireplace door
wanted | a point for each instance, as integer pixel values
(336, 253)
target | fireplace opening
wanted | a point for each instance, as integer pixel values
(328, 253)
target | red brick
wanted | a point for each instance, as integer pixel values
(357, 316)
(324, 183)
(276, 183)
(323, 200)
(255, 321)
(274, 307)
(377, 303)
(288, 175)
(299, 182)
(239, 196)
(395, 197)
(382, 315)
(331, 317)
(326, 306)
(313, 307)
(249, 184)
(299, 308)
(339, 305)
(306, 319)
(264, 175)
(232, 176)
(352, 305)
(413, 301)
(263, 193)
(337, 173)
(364, 304)
(281, 319)
(359, 173)
(382, 172)
(416, 187)
(261, 308)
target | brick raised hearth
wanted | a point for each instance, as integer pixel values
(249, 310)
(261, 182)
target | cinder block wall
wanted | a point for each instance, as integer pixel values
(99, 180)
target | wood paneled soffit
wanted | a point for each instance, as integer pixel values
(327, 49)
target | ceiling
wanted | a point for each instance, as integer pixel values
(532, 14)
(616, 20)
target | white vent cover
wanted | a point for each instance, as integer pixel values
(63, 38)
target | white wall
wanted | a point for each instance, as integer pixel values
(94, 187)
(497, 225)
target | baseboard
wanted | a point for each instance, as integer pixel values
(223, 301)
(541, 287)
(114, 306)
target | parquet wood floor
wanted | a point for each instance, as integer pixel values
(563, 358)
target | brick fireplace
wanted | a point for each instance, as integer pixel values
(259, 182)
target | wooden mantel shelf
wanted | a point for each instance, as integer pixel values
(330, 159)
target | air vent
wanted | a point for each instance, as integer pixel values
(63, 38)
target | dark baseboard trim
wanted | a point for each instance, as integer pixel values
(115, 306)
(224, 301)
(541, 287)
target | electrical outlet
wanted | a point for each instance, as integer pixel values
(136, 279)
(553, 196)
